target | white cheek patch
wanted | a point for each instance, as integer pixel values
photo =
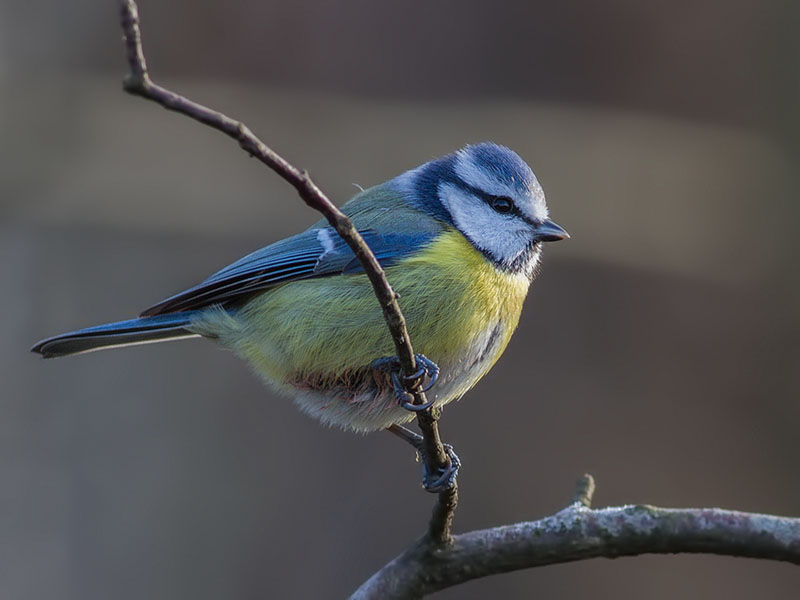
(503, 238)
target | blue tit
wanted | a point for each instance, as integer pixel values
(460, 238)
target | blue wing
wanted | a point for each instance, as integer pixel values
(317, 252)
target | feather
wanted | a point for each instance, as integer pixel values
(317, 252)
(123, 333)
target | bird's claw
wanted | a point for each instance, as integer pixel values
(425, 367)
(444, 478)
(406, 399)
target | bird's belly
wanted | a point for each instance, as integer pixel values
(368, 403)
(315, 339)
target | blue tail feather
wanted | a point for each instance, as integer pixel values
(143, 330)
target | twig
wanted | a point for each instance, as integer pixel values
(138, 82)
(577, 533)
(584, 491)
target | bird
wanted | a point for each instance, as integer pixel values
(460, 239)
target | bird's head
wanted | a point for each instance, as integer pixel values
(492, 197)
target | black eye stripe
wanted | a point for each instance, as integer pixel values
(489, 199)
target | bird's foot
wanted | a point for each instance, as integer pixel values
(441, 479)
(402, 383)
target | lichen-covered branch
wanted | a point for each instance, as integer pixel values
(138, 82)
(577, 533)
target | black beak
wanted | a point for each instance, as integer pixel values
(548, 231)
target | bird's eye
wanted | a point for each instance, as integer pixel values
(502, 204)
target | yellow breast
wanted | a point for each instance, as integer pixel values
(465, 296)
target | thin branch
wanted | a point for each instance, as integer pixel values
(138, 82)
(579, 533)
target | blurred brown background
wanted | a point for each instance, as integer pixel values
(659, 348)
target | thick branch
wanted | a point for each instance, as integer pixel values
(578, 533)
(138, 82)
